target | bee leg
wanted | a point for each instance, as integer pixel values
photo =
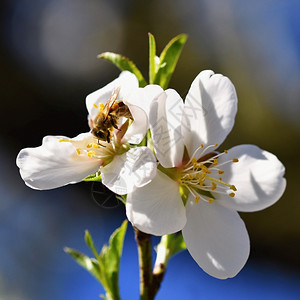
(108, 137)
(101, 144)
(114, 123)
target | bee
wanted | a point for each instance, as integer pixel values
(108, 117)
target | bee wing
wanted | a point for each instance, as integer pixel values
(110, 102)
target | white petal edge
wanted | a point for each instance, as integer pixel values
(135, 168)
(157, 208)
(143, 97)
(258, 177)
(216, 238)
(138, 128)
(127, 81)
(165, 125)
(209, 110)
(54, 164)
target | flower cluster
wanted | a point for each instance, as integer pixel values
(166, 159)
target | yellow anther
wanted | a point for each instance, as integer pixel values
(95, 105)
(210, 200)
(231, 195)
(221, 172)
(213, 186)
(194, 160)
(201, 146)
(191, 176)
(220, 178)
(63, 140)
(89, 145)
(225, 151)
(91, 153)
(233, 188)
(216, 145)
(95, 146)
(78, 150)
(101, 106)
(215, 161)
(235, 160)
(197, 198)
(204, 168)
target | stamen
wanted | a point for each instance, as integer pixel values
(64, 140)
(101, 106)
(95, 105)
(235, 160)
(78, 150)
(197, 198)
(231, 195)
(213, 186)
(221, 172)
(226, 151)
(91, 153)
(210, 200)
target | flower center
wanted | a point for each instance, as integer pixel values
(102, 151)
(202, 177)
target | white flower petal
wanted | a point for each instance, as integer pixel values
(127, 81)
(54, 164)
(165, 125)
(138, 128)
(132, 169)
(157, 208)
(258, 177)
(209, 111)
(216, 237)
(143, 97)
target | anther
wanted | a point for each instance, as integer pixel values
(197, 198)
(95, 105)
(226, 151)
(231, 195)
(221, 172)
(91, 153)
(232, 187)
(78, 150)
(210, 200)
(235, 160)
(213, 186)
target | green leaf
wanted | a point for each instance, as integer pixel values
(104, 267)
(124, 64)
(93, 177)
(110, 258)
(152, 54)
(89, 241)
(168, 60)
(175, 243)
(90, 264)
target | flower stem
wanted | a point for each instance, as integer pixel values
(145, 262)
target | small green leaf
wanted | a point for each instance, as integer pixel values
(152, 54)
(124, 64)
(110, 259)
(175, 243)
(90, 264)
(105, 268)
(89, 241)
(93, 177)
(168, 60)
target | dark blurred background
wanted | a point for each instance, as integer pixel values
(48, 66)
